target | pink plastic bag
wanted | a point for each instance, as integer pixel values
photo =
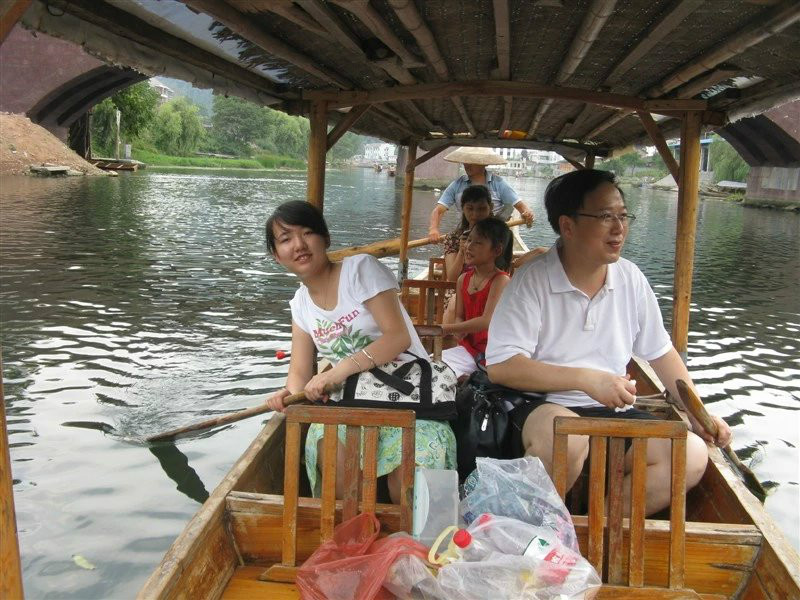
(354, 563)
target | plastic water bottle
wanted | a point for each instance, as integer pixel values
(554, 561)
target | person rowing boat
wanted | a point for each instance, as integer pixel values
(475, 161)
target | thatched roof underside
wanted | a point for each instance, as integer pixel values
(648, 49)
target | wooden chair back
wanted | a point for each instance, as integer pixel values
(427, 306)
(432, 338)
(354, 419)
(607, 448)
(437, 268)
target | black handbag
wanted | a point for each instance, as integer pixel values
(483, 424)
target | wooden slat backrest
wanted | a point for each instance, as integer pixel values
(607, 448)
(436, 268)
(432, 338)
(353, 419)
(430, 304)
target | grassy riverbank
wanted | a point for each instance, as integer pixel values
(262, 161)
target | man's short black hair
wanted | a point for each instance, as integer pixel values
(299, 213)
(565, 195)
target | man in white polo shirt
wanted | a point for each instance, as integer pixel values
(568, 323)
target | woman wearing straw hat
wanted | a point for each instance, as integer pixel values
(475, 160)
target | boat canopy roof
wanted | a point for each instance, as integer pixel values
(566, 75)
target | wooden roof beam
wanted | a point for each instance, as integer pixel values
(537, 144)
(245, 27)
(610, 122)
(574, 163)
(502, 36)
(779, 18)
(658, 32)
(521, 89)
(290, 12)
(11, 11)
(705, 82)
(410, 105)
(409, 16)
(661, 144)
(462, 110)
(373, 20)
(412, 20)
(345, 123)
(332, 24)
(593, 21)
(429, 155)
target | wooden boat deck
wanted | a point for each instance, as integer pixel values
(245, 585)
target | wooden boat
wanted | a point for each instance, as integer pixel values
(733, 549)
(351, 65)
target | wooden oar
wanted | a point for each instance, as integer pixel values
(224, 419)
(695, 405)
(389, 247)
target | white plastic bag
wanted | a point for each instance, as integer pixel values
(520, 489)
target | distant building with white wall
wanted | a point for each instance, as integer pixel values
(165, 92)
(380, 153)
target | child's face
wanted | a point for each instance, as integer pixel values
(476, 211)
(479, 250)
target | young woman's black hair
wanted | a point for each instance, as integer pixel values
(298, 213)
(564, 195)
(498, 233)
(474, 193)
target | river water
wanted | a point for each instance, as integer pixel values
(141, 303)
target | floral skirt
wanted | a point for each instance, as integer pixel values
(435, 448)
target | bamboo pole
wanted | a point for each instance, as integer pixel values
(10, 569)
(408, 199)
(661, 144)
(389, 247)
(317, 148)
(689, 180)
(589, 164)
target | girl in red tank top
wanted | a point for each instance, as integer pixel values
(489, 251)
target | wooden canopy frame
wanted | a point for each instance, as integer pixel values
(693, 114)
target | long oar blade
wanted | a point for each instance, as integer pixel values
(695, 405)
(224, 419)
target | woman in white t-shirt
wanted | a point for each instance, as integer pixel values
(350, 314)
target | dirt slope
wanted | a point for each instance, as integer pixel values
(23, 144)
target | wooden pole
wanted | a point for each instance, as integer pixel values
(660, 143)
(317, 148)
(345, 123)
(10, 570)
(589, 161)
(687, 223)
(408, 195)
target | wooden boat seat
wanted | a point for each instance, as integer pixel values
(354, 419)
(607, 449)
(425, 301)
(436, 268)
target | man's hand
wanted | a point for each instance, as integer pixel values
(528, 216)
(434, 235)
(724, 433)
(610, 390)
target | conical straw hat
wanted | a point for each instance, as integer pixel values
(475, 156)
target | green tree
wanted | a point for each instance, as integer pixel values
(236, 124)
(726, 162)
(137, 105)
(178, 128)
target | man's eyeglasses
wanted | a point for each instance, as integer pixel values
(608, 219)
